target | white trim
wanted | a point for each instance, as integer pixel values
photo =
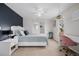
(32, 44)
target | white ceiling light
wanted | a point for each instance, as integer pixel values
(39, 11)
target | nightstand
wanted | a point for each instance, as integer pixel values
(8, 46)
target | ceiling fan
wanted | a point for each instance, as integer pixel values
(39, 11)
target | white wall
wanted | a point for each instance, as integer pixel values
(48, 26)
(29, 25)
(71, 20)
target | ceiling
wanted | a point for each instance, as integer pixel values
(26, 10)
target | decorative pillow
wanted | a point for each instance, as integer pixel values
(26, 32)
(18, 33)
(22, 33)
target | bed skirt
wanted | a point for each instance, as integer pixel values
(32, 44)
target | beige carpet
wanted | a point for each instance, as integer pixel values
(51, 50)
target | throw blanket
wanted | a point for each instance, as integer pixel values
(66, 41)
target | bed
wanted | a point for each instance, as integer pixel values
(32, 40)
(29, 39)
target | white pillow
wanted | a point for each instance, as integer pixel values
(22, 32)
(18, 28)
(14, 28)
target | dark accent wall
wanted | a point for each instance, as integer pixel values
(9, 18)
